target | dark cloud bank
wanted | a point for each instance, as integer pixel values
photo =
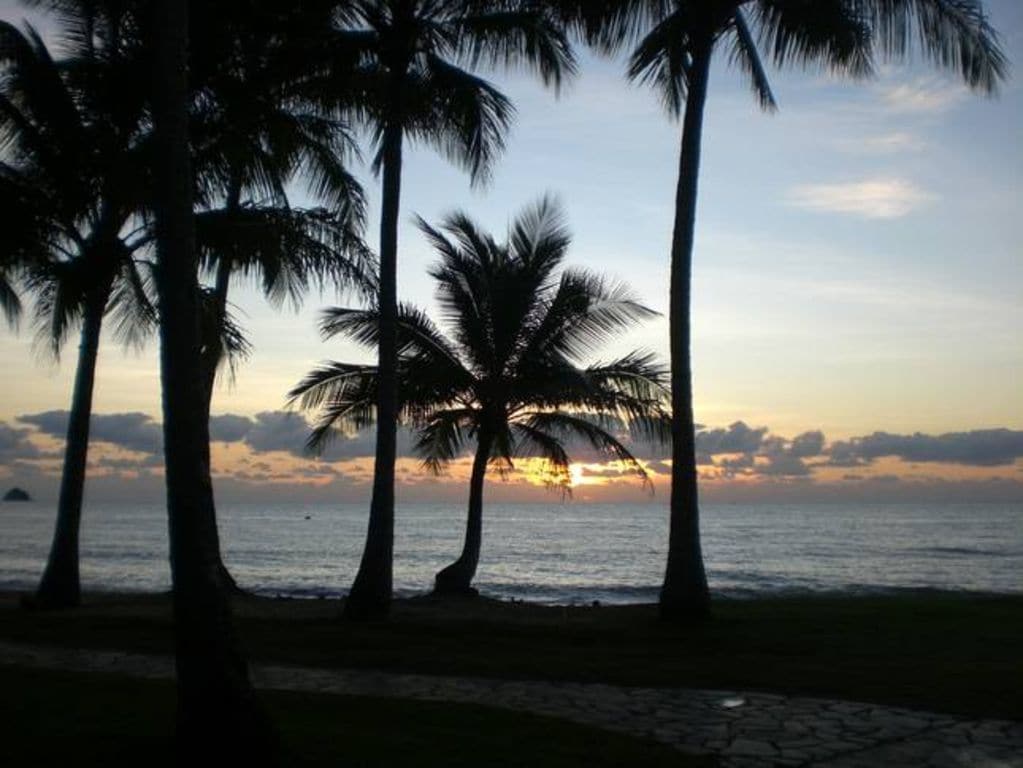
(736, 450)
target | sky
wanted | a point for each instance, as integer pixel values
(858, 297)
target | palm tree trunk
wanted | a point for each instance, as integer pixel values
(210, 362)
(685, 593)
(370, 596)
(457, 577)
(60, 586)
(219, 720)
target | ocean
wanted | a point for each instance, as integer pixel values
(556, 553)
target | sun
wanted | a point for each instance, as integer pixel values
(576, 475)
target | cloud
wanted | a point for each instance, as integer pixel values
(737, 438)
(278, 431)
(807, 445)
(778, 456)
(979, 448)
(783, 465)
(283, 431)
(15, 445)
(882, 144)
(229, 428)
(737, 451)
(133, 431)
(609, 473)
(131, 465)
(880, 198)
(659, 467)
(923, 95)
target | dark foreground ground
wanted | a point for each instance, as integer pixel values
(62, 718)
(954, 653)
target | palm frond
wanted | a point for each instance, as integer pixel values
(952, 34)
(747, 57)
(831, 34)
(133, 303)
(463, 116)
(608, 25)
(531, 440)
(540, 238)
(223, 339)
(559, 425)
(585, 312)
(10, 303)
(345, 396)
(443, 438)
(287, 249)
(662, 58)
(529, 37)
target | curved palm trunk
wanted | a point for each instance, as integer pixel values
(60, 586)
(370, 596)
(685, 593)
(457, 577)
(210, 362)
(219, 721)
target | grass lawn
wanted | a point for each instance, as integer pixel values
(63, 719)
(943, 652)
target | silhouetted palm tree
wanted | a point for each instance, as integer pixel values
(71, 156)
(510, 376)
(675, 43)
(219, 721)
(412, 80)
(252, 135)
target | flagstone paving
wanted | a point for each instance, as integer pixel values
(746, 730)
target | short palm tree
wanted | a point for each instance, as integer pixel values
(411, 80)
(510, 377)
(71, 154)
(675, 42)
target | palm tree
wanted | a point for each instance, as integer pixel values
(218, 718)
(252, 135)
(509, 377)
(70, 160)
(675, 43)
(412, 80)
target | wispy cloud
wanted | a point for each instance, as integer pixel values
(870, 198)
(923, 95)
(882, 144)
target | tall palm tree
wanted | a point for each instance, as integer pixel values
(675, 42)
(70, 157)
(219, 721)
(252, 134)
(510, 376)
(412, 80)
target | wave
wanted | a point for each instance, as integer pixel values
(958, 551)
(626, 594)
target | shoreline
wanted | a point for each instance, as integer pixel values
(793, 594)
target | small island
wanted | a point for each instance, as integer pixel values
(17, 494)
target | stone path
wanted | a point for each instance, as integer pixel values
(746, 729)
